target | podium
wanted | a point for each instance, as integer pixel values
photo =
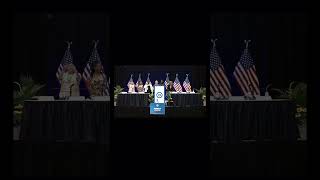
(158, 106)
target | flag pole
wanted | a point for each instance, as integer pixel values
(247, 43)
(95, 43)
(214, 41)
(69, 43)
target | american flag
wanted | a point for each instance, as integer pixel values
(166, 82)
(130, 80)
(245, 73)
(186, 84)
(148, 80)
(67, 59)
(95, 58)
(218, 79)
(139, 79)
(177, 85)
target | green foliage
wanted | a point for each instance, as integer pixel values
(296, 92)
(202, 91)
(151, 97)
(299, 94)
(169, 95)
(117, 90)
(27, 89)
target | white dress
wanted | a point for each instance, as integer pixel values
(131, 88)
(67, 80)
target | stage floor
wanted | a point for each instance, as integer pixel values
(171, 112)
(155, 159)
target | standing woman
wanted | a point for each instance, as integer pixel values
(98, 83)
(140, 87)
(170, 87)
(70, 80)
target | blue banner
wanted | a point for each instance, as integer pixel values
(157, 108)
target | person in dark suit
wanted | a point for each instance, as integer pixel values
(149, 90)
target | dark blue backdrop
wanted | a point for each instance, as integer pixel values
(81, 29)
(197, 74)
(278, 44)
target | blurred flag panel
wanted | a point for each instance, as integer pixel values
(218, 79)
(245, 73)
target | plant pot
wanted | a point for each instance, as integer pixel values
(16, 132)
(303, 132)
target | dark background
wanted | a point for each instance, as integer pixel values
(279, 44)
(197, 74)
(279, 41)
(39, 44)
(169, 37)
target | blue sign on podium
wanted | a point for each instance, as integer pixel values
(157, 108)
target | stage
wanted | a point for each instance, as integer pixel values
(156, 159)
(171, 112)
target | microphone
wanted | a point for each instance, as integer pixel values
(252, 92)
(218, 96)
(71, 89)
(266, 94)
(249, 94)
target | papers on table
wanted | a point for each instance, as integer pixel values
(100, 98)
(72, 98)
(133, 93)
(241, 98)
(76, 98)
(183, 93)
(43, 98)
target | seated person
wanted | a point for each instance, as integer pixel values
(70, 80)
(148, 86)
(131, 87)
(250, 93)
(170, 87)
(140, 87)
(156, 82)
(98, 83)
(149, 90)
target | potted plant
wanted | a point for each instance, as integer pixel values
(151, 98)
(202, 92)
(27, 88)
(117, 90)
(297, 92)
(170, 100)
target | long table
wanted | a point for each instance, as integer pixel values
(141, 99)
(235, 121)
(133, 99)
(66, 121)
(187, 99)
